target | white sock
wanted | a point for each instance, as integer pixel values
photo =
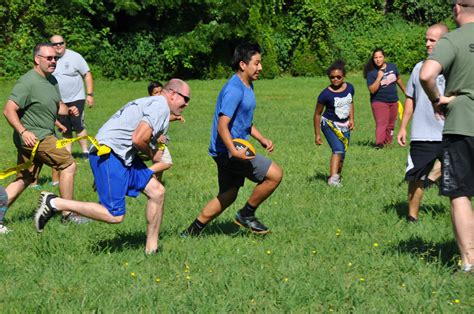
(53, 203)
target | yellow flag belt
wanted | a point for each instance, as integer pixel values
(101, 150)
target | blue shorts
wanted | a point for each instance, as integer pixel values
(113, 180)
(337, 146)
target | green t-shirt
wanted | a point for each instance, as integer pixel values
(455, 52)
(38, 99)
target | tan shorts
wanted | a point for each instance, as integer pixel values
(46, 153)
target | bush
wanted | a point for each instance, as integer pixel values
(305, 62)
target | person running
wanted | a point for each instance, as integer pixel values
(337, 101)
(423, 167)
(233, 118)
(133, 128)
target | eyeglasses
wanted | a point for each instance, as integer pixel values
(335, 77)
(49, 58)
(58, 44)
(186, 98)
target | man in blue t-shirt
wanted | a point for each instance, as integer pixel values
(233, 118)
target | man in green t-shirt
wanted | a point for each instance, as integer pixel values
(453, 56)
(32, 110)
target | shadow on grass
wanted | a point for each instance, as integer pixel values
(431, 252)
(318, 176)
(402, 209)
(122, 242)
(222, 227)
(364, 143)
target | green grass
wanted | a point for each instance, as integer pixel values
(331, 249)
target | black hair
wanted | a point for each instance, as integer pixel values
(244, 52)
(370, 65)
(337, 65)
(153, 85)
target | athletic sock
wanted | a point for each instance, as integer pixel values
(248, 210)
(196, 227)
(53, 203)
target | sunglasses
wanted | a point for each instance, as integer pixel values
(335, 77)
(186, 98)
(49, 58)
(58, 44)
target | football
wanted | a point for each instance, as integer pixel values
(242, 144)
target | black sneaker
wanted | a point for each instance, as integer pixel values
(45, 211)
(251, 223)
(412, 219)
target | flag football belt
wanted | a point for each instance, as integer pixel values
(101, 150)
(338, 132)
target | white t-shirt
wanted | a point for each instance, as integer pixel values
(117, 131)
(424, 125)
(70, 70)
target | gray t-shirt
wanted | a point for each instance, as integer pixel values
(117, 131)
(424, 125)
(70, 70)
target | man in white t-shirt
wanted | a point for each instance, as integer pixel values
(71, 72)
(423, 165)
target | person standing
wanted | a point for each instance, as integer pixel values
(134, 128)
(71, 72)
(337, 101)
(423, 166)
(233, 118)
(453, 57)
(382, 80)
(31, 110)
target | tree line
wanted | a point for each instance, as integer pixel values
(145, 39)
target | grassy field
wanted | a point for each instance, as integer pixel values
(341, 250)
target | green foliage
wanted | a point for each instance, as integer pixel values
(195, 39)
(402, 42)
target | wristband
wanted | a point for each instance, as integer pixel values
(90, 94)
(21, 133)
(435, 101)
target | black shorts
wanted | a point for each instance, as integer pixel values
(457, 167)
(72, 123)
(232, 172)
(423, 155)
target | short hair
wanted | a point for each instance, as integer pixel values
(38, 47)
(175, 84)
(244, 52)
(153, 85)
(370, 65)
(337, 65)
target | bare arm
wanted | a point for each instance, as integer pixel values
(374, 87)
(317, 123)
(265, 142)
(407, 114)
(89, 89)
(400, 84)
(141, 138)
(428, 74)
(351, 117)
(11, 114)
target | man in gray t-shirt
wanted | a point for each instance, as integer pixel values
(118, 170)
(423, 165)
(71, 72)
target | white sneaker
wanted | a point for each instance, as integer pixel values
(468, 268)
(4, 229)
(335, 181)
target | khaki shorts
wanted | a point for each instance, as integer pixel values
(46, 153)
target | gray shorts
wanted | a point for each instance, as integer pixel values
(232, 172)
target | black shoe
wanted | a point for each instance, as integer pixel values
(251, 223)
(45, 211)
(412, 219)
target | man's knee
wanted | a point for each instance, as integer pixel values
(116, 219)
(274, 173)
(155, 190)
(71, 169)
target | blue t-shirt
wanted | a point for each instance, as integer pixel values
(337, 105)
(237, 102)
(387, 91)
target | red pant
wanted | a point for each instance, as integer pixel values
(385, 115)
